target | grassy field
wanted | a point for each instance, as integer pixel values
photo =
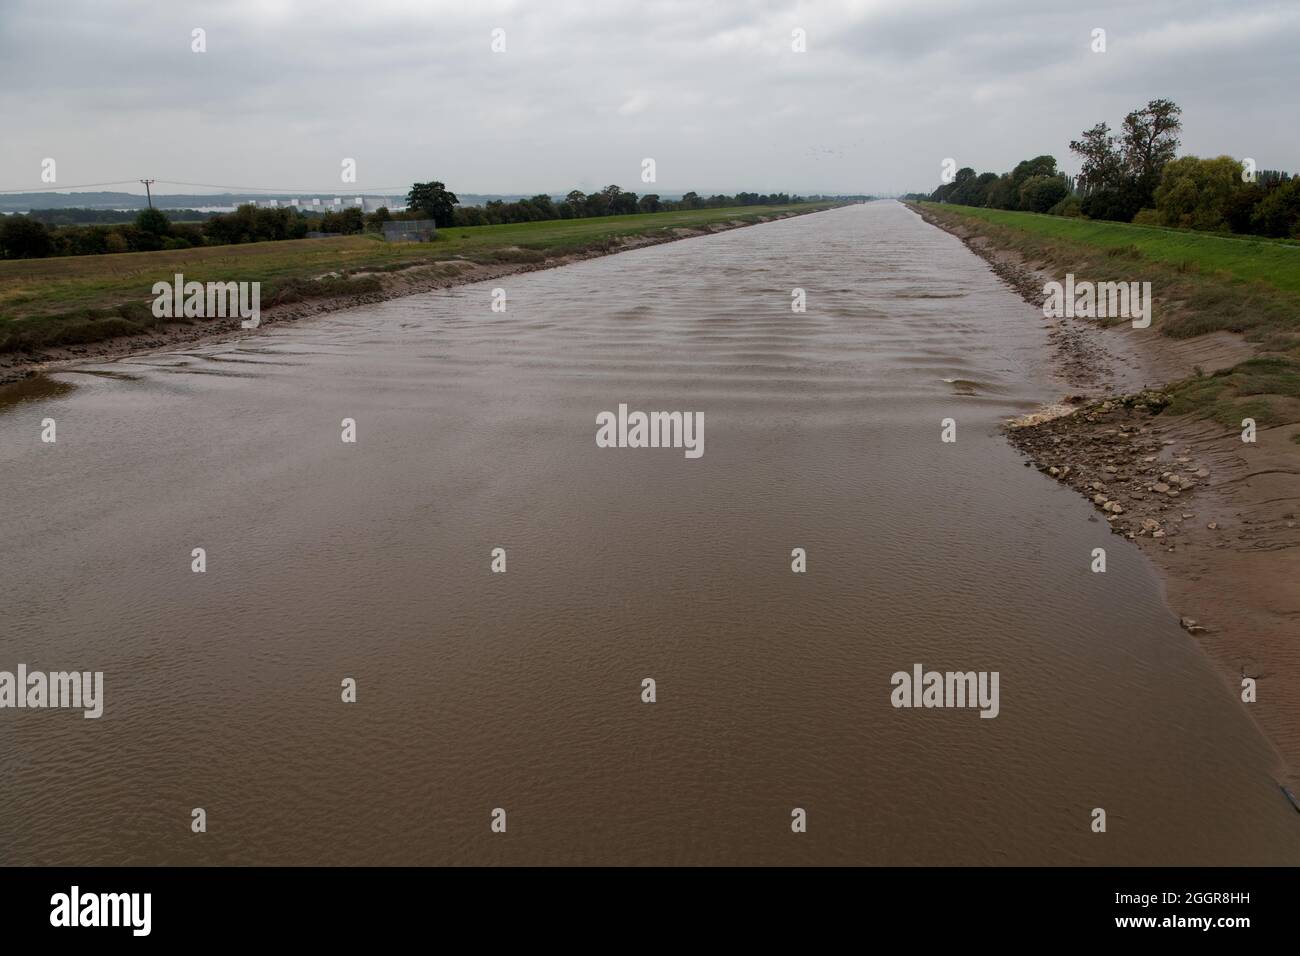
(1248, 258)
(47, 302)
(1201, 283)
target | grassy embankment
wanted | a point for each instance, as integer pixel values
(71, 300)
(1201, 283)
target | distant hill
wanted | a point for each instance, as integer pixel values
(118, 200)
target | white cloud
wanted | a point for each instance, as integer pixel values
(713, 91)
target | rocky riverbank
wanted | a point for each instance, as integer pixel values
(1215, 514)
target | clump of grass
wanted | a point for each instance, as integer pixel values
(77, 327)
(1124, 252)
(297, 290)
(512, 255)
(1257, 388)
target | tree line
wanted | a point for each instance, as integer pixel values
(30, 236)
(433, 201)
(1132, 175)
(27, 237)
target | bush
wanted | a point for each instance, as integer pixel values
(1070, 206)
(1041, 193)
(1195, 193)
(22, 237)
(1278, 213)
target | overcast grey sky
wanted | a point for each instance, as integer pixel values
(585, 90)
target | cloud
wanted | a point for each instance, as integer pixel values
(714, 92)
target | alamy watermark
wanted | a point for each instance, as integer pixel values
(78, 690)
(651, 430)
(1099, 300)
(75, 908)
(922, 688)
(196, 300)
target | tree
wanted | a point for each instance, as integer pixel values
(623, 204)
(649, 202)
(947, 191)
(22, 237)
(691, 200)
(1278, 213)
(1197, 193)
(1119, 180)
(1102, 164)
(1002, 193)
(1151, 139)
(434, 201)
(153, 221)
(1029, 168)
(1041, 193)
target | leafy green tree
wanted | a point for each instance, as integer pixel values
(1102, 164)
(434, 200)
(1151, 139)
(22, 237)
(153, 221)
(1041, 193)
(623, 204)
(1278, 213)
(1197, 193)
(1029, 168)
(1002, 194)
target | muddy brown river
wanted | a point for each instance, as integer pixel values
(523, 690)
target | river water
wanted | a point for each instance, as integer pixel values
(477, 690)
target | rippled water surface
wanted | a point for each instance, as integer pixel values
(522, 690)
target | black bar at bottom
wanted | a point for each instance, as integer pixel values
(335, 905)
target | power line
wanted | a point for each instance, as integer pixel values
(121, 182)
(350, 189)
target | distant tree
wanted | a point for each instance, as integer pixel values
(374, 221)
(153, 221)
(1029, 168)
(1278, 213)
(623, 204)
(691, 200)
(22, 237)
(649, 202)
(1120, 176)
(1102, 164)
(1151, 139)
(1118, 203)
(1197, 193)
(1002, 194)
(1041, 193)
(152, 229)
(434, 201)
(544, 207)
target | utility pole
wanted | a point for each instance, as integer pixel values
(147, 191)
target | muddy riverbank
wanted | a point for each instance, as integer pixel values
(1217, 515)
